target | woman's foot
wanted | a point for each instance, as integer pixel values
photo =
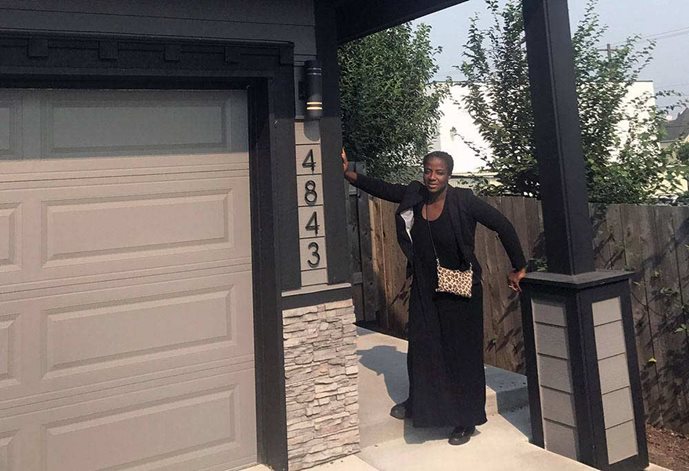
(460, 435)
(401, 411)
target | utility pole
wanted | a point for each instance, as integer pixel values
(608, 49)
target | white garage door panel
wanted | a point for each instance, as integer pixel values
(10, 245)
(126, 299)
(75, 231)
(8, 348)
(87, 338)
(86, 335)
(190, 424)
(122, 226)
(34, 173)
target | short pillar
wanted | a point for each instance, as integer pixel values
(584, 386)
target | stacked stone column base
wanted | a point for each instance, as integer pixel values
(321, 380)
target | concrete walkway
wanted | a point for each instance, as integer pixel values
(389, 444)
(394, 445)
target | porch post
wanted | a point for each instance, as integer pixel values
(584, 384)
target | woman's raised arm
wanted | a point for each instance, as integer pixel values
(496, 221)
(380, 189)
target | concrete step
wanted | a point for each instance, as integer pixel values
(505, 390)
(383, 382)
(388, 444)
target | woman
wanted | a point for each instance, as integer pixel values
(447, 384)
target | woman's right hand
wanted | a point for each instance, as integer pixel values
(349, 175)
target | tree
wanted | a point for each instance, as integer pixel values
(629, 169)
(389, 109)
(683, 153)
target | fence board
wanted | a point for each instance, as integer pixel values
(492, 331)
(396, 284)
(496, 283)
(680, 224)
(615, 230)
(369, 290)
(377, 259)
(652, 261)
(354, 233)
(666, 316)
(636, 222)
(601, 235)
(529, 216)
(515, 211)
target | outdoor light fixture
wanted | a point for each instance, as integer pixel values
(313, 90)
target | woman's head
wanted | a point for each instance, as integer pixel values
(437, 169)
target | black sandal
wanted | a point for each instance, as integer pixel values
(401, 411)
(460, 435)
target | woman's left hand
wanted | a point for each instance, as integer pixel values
(514, 278)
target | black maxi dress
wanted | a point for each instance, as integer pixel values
(447, 382)
(445, 359)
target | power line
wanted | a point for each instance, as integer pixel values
(668, 36)
(664, 34)
(672, 32)
(673, 84)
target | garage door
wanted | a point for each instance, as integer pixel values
(126, 337)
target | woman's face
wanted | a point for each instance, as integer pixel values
(435, 175)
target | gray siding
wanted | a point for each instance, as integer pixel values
(618, 410)
(261, 20)
(555, 377)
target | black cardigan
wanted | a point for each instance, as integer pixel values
(465, 211)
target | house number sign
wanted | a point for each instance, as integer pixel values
(310, 202)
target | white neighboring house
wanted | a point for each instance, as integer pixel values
(456, 127)
(639, 90)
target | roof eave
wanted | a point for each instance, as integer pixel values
(359, 18)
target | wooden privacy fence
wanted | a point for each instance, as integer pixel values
(652, 241)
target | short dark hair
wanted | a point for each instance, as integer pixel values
(444, 156)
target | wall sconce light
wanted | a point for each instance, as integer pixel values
(313, 90)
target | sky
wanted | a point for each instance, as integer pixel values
(666, 21)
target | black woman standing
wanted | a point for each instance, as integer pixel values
(435, 226)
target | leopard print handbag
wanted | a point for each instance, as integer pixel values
(457, 282)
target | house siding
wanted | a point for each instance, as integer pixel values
(266, 20)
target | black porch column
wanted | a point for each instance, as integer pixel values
(584, 385)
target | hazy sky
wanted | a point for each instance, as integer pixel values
(666, 21)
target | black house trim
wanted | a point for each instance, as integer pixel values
(358, 18)
(339, 268)
(266, 72)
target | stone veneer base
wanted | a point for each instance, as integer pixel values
(321, 381)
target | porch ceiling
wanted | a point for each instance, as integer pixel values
(358, 18)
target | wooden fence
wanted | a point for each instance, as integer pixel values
(652, 241)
